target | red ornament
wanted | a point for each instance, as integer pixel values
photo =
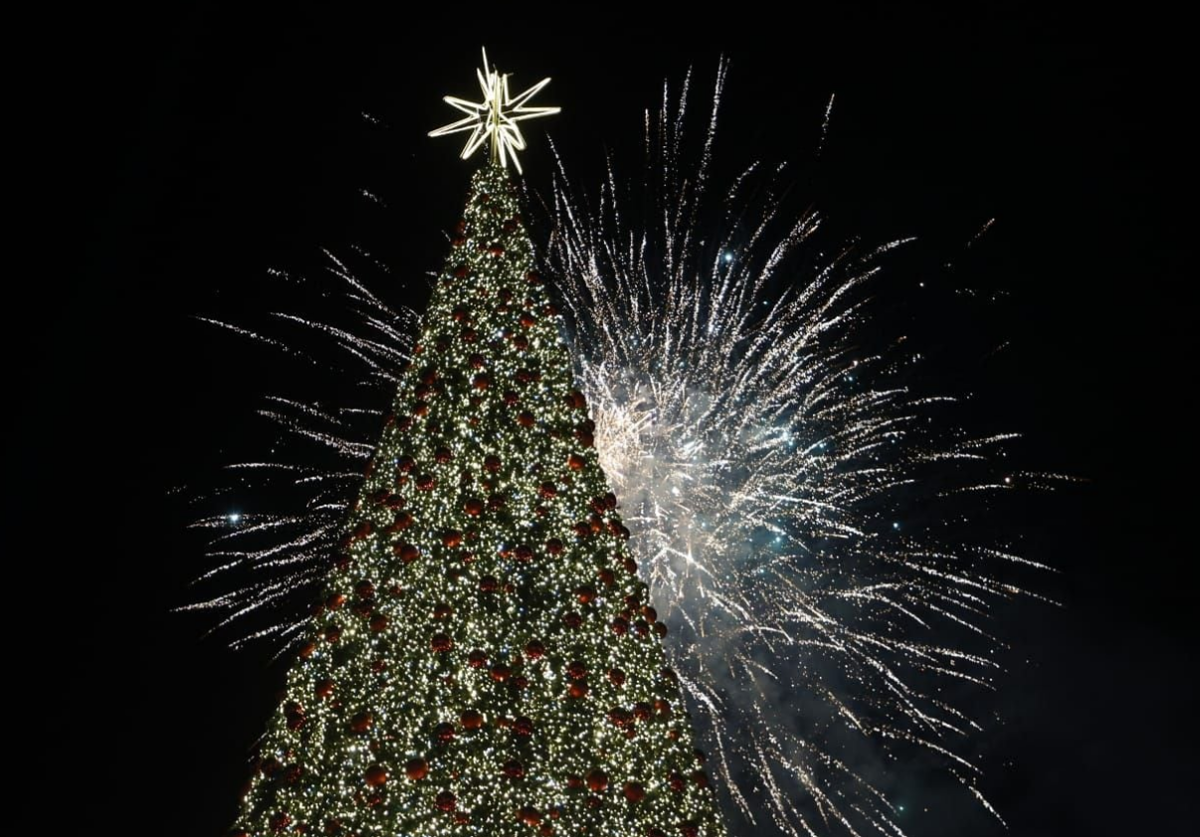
(403, 521)
(607, 578)
(521, 342)
(575, 462)
(576, 400)
(491, 463)
(468, 335)
(523, 726)
(582, 530)
(642, 711)
(699, 754)
(452, 538)
(513, 769)
(416, 769)
(634, 792)
(630, 565)
(548, 490)
(620, 626)
(554, 546)
(572, 620)
(441, 643)
(529, 815)
(473, 506)
(324, 688)
(700, 778)
(533, 277)
(527, 319)
(500, 672)
(574, 782)
(489, 584)
(660, 628)
(461, 313)
(586, 440)
(426, 482)
(676, 782)
(446, 801)
(688, 828)
(361, 722)
(444, 733)
(307, 649)
(510, 397)
(576, 670)
(477, 659)
(407, 552)
(597, 780)
(441, 610)
(525, 419)
(378, 623)
(443, 455)
(481, 381)
(471, 719)
(534, 650)
(333, 633)
(523, 553)
(578, 689)
(616, 677)
(376, 776)
(364, 589)
(279, 821)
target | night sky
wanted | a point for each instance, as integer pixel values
(174, 160)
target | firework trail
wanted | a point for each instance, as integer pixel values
(762, 463)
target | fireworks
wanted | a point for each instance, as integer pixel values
(763, 463)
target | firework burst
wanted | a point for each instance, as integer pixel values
(763, 461)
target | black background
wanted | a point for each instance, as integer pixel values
(174, 157)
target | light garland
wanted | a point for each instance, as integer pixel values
(485, 660)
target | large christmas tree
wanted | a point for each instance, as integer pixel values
(485, 660)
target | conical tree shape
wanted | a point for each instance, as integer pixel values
(486, 661)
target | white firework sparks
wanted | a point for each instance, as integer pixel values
(762, 464)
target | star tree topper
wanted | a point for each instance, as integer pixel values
(495, 118)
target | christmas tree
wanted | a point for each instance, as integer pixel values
(485, 660)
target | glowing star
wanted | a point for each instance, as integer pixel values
(495, 118)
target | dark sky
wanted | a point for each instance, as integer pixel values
(174, 158)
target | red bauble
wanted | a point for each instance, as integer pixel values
(575, 462)
(407, 552)
(416, 769)
(547, 490)
(620, 626)
(481, 381)
(468, 335)
(477, 659)
(460, 313)
(489, 584)
(523, 726)
(597, 780)
(378, 623)
(307, 649)
(443, 455)
(279, 821)
(513, 769)
(582, 530)
(361, 722)
(660, 628)
(616, 677)
(534, 649)
(527, 319)
(576, 670)
(441, 643)
(441, 610)
(510, 397)
(554, 546)
(444, 733)
(471, 719)
(426, 482)
(578, 689)
(446, 801)
(452, 538)
(364, 589)
(333, 633)
(630, 565)
(676, 782)
(376, 776)
(529, 815)
(523, 553)
(699, 754)
(500, 672)
(689, 828)
(574, 782)
(491, 463)
(634, 792)
(521, 342)
(586, 440)
(533, 277)
(607, 577)
(572, 620)
(476, 360)
(700, 778)
(324, 688)
(525, 418)
(585, 593)
(403, 521)
(474, 507)
(642, 711)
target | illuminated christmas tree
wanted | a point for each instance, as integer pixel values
(485, 660)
